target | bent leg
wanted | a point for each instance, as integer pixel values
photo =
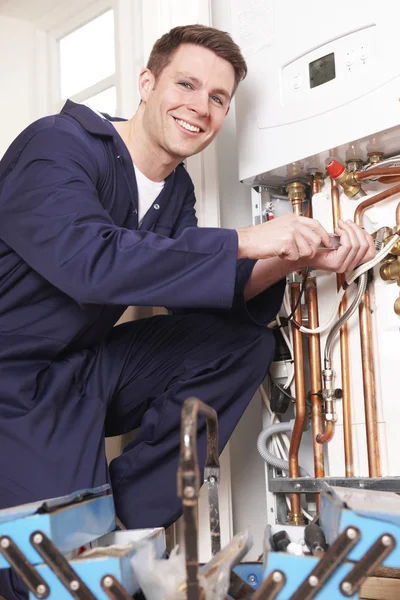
(172, 358)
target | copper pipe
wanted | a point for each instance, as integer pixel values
(368, 367)
(344, 354)
(295, 515)
(367, 352)
(371, 200)
(315, 380)
(377, 172)
(316, 185)
(388, 180)
(398, 215)
(328, 435)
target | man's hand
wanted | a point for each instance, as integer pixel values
(297, 240)
(289, 237)
(356, 247)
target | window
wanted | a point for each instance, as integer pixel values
(86, 64)
(105, 101)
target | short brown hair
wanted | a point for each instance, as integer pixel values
(219, 42)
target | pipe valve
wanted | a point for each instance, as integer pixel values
(329, 393)
(347, 180)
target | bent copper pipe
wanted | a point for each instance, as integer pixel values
(344, 355)
(367, 351)
(295, 516)
(326, 437)
(315, 376)
(382, 172)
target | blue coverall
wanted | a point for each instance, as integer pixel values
(71, 260)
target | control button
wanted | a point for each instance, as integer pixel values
(364, 52)
(350, 58)
(296, 82)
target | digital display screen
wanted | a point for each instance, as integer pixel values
(322, 70)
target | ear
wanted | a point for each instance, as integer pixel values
(146, 83)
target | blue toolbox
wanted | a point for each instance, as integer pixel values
(66, 547)
(373, 513)
(69, 522)
(362, 532)
(105, 566)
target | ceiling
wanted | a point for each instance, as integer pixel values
(28, 10)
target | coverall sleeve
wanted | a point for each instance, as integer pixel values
(261, 309)
(51, 216)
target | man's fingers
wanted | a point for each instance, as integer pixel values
(348, 247)
(303, 246)
(314, 225)
(312, 238)
(364, 251)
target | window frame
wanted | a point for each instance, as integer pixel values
(69, 25)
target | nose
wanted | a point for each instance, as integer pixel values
(200, 103)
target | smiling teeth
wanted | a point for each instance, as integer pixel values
(187, 126)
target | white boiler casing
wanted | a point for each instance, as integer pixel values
(320, 76)
(323, 81)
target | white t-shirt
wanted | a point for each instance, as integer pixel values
(147, 192)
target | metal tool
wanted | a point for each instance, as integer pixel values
(366, 565)
(334, 243)
(271, 587)
(60, 566)
(325, 568)
(22, 566)
(239, 589)
(219, 568)
(188, 483)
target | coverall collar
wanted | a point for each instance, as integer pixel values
(89, 119)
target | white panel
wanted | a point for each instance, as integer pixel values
(280, 117)
(386, 339)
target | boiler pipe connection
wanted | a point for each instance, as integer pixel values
(344, 353)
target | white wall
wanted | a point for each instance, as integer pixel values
(18, 78)
(247, 471)
(235, 205)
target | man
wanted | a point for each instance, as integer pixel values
(96, 215)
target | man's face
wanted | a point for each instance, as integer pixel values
(185, 108)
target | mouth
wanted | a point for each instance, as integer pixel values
(188, 128)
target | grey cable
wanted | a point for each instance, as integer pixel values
(271, 459)
(362, 286)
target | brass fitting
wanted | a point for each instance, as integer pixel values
(390, 270)
(297, 194)
(395, 251)
(296, 519)
(318, 176)
(354, 164)
(397, 307)
(375, 157)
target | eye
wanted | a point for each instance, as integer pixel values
(217, 100)
(186, 85)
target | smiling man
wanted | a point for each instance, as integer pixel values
(97, 214)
